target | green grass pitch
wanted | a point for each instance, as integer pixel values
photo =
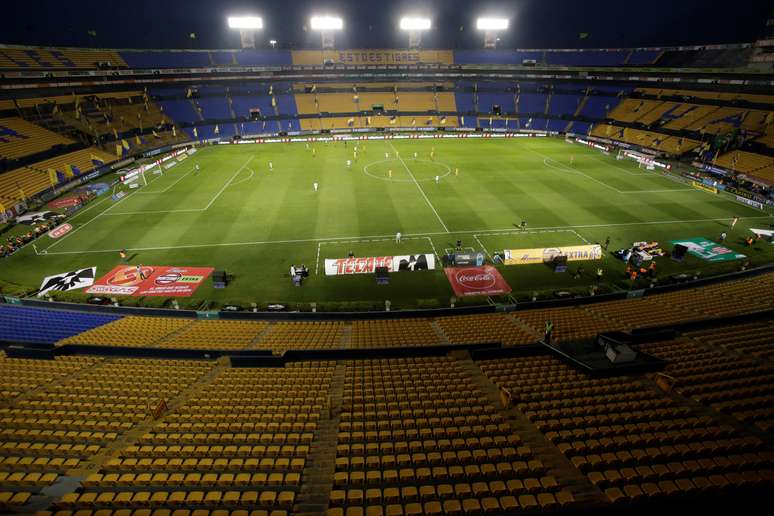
(238, 215)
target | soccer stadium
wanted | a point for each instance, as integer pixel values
(365, 258)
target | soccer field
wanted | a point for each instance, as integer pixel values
(237, 214)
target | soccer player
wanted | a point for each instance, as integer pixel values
(437, 179)
(607, 242)
(386, 155)
(415, 155)
(723, 236)
(572, 160)
(523, 225)
(271, 165)
(314, 151)
(349, 162)
(397, 237)
(196, 169)
(140, 272)
(456, 172)
(122, 254)
(734, 221)
(316, 186)
(389, 173)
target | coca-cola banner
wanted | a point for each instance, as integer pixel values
(368, 265)
(476, 281)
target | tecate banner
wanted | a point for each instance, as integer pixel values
(573, 253)
(411, 263)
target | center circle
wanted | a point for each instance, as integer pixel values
(403, 165)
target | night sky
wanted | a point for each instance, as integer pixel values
(373, 23)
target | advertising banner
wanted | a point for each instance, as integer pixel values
(65, 281)
(702, 186)
(749, 202)
(573, 253)
(476, 281)
(345, 266)
(708, 250)
(133, 280)
(60, 230)
(64, 202)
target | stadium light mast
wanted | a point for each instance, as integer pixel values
(415, 26)
(491, 26)
(247, 25)
(327, 25)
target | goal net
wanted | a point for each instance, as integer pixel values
(128, 180)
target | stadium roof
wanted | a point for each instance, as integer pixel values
(374, 23)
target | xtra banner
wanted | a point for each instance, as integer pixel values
(702, 186)
(476, 281)
(708, 250)
(414, 262)
(573, 253)
(133, 280)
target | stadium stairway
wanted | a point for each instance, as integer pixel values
(321, 461)
(557, 465)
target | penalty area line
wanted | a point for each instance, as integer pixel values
(377, 238)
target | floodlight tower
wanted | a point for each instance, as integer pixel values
(491, 26)
(247, 26)
(415, 25)
(327, 25)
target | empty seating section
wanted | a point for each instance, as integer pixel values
(753, 338)
(83, 407)
(18, 375)
(649, 139)
(57, 58)
(303, 335)
(241, 441)
(638, 313)
(631, 440)
(418, 436)
(391, 333)
(710, 95)
(746, 162)
(19, 138)
(131, 331)
(569, 323)
(727, 381)
(215, 335)
(27, 324)
(21, 183)
(471, 329)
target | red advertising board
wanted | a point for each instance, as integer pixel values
(64, 202)
(476, 281)
(126, 280)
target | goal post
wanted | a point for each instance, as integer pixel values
(128, 180)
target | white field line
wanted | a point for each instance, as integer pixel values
(482, 246)
(248, 178)
(418, 186)
(317, 262)
(580, 237)
(45, 251)
(229, 182)
(190, 210)
(168, 187)
(382, 238)
(597, 158)
(563, 168)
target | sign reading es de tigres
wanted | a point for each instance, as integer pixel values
(371, 57)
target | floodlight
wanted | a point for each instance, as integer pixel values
(245, 22)
(326, 23)
(492, 24)
(414, 23)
